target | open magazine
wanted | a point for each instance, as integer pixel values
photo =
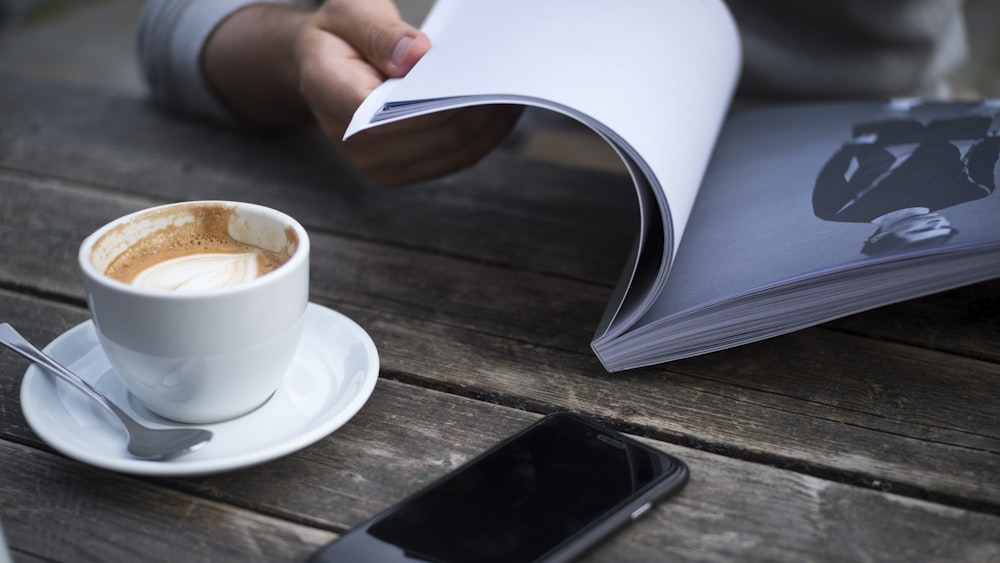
(755, 221)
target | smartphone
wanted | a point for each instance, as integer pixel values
(548, 493)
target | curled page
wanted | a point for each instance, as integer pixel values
(652, 77)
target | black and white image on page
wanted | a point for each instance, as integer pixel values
(763, 216)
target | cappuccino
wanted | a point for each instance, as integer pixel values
(196, 253)
(187, 351)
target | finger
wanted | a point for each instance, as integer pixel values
(375, 29)
(455, 140)
(462, 140)
(439, 132)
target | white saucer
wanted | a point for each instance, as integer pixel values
(333, 374)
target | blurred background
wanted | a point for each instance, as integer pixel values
(91, 43)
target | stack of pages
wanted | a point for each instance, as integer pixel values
(755, 221)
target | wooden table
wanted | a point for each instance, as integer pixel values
(876, 437)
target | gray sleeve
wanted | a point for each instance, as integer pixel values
(830, 48)
(169, 38)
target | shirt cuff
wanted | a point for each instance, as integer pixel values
(170, 38)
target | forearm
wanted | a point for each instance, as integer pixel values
(274, 65)
(249, 63)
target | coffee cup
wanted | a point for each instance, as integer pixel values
(199, 306)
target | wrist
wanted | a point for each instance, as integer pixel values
(249, 62)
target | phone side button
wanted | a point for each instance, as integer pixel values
(639, 512)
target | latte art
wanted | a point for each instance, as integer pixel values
(199, 272)
(196, 253)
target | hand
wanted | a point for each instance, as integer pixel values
(346, 50)
(278, 66)
(430, 146)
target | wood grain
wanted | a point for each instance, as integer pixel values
(286, 508)
(874, 437)
(587, 221)
(875, 412)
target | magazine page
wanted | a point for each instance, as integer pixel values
(811, 212)
(653, 77)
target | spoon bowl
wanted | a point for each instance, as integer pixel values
(143, 442)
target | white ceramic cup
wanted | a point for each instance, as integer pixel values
(207, 355)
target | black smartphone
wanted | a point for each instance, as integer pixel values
(548, 493)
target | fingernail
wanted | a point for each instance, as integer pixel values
(399, 51)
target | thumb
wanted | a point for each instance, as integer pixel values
(405, 53)
(375, 30)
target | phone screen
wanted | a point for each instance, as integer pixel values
(518, 502)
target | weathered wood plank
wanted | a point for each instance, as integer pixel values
(521, 304)
(55, 509)
(887, 415)
(405, 437)
(963, 321)
(571, 222)
(817, 400)
(852, 414)
(508, 211)
(730, 509)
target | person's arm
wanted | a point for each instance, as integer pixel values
(270, 63)
(170, 36)
(277, 66)
(247, 63)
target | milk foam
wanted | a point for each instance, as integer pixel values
(199, 272)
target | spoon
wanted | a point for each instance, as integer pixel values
(143, 442)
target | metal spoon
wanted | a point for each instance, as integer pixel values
(143, 442)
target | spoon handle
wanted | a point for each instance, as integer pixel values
(13, 340)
